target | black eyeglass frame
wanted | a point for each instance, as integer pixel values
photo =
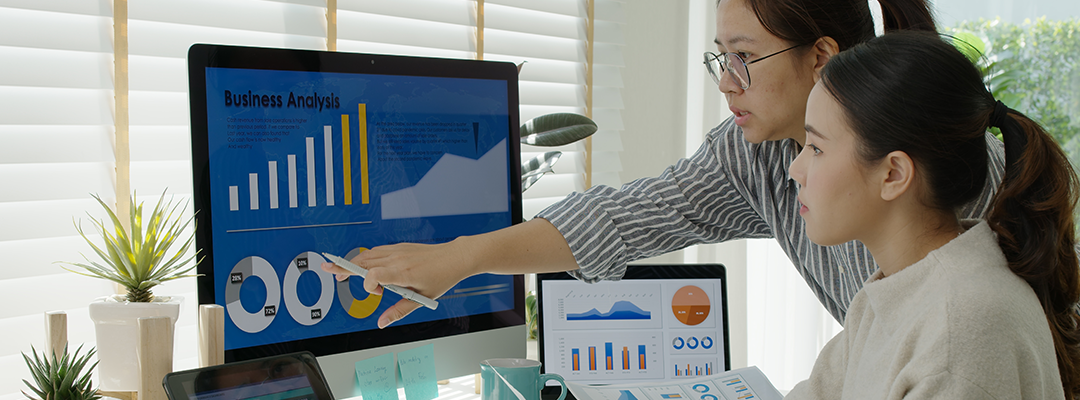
(725, 64)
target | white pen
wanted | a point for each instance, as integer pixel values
(405, 293)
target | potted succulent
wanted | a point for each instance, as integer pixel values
(63, 378)
(138, 260)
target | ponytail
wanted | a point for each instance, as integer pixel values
(1032, 214)
(849, 22)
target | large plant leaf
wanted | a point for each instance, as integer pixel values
(556, 129)
(140, 260)
(533, 169)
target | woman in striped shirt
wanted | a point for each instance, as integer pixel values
(736, 186)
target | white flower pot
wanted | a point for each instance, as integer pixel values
(116, 326)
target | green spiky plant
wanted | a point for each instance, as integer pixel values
(62, 379)
(139, 260)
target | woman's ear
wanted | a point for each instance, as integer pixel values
(824, 48)
(897, 174)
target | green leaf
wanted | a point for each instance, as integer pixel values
(143, 258)
(556, 129)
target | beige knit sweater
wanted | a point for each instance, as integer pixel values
(958, 324)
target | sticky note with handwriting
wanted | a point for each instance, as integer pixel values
(418, 372)
(377, 377)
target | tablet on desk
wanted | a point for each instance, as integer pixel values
(293, 376)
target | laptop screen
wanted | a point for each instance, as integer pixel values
(658, 322)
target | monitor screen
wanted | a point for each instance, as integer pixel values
(296, 153)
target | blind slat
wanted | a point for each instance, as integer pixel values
(56, 106)
(50, 218)
(442, 11)
(65, 144)
(530, 22)
(528, 45)
(404, 31)
(243, 15)
(573, 8)
(164, 74)
(55, 68)
(53, 181)
(55, 30)
(147, 38)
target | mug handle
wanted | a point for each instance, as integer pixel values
(547, 377)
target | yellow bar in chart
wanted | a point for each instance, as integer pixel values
(362, 131)
(346, 156)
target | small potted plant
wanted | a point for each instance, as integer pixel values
(61, 379)
(138, 260)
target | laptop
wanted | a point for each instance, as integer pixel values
(661, 321)
(294, 376)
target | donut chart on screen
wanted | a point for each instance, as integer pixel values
(691, 305)
(259, 320)
(302, 263)
(356, 308)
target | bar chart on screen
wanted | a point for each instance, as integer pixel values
(625, 354)
(317, 151)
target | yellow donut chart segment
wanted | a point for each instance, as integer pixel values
(356, 308)
(364, 308)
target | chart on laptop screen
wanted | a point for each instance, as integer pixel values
(611, 332)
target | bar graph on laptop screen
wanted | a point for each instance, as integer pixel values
(611, 332)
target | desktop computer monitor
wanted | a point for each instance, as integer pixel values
(296, 153)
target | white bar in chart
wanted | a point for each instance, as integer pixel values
(253, 190)
(234, 201)
(328, 155)
(292, 180)
(273, 185)
(310, 171)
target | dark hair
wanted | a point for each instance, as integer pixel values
(937, 111)
(849, 22)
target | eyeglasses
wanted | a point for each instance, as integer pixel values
(736, 64)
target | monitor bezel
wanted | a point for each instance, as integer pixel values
(202, 56)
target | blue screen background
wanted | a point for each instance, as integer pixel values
(411, 123)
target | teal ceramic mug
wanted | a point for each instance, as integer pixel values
(514, 379)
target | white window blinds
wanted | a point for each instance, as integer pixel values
(57, 115)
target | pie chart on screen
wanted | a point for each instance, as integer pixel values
(691, 305)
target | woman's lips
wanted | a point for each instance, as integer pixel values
(740, 115)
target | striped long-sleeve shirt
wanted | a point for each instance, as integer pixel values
(730, 189)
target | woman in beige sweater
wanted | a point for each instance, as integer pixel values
(958, 308)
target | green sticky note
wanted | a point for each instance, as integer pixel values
(377, 377)
(418, 373)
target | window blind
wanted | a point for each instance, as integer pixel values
(57, 117)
